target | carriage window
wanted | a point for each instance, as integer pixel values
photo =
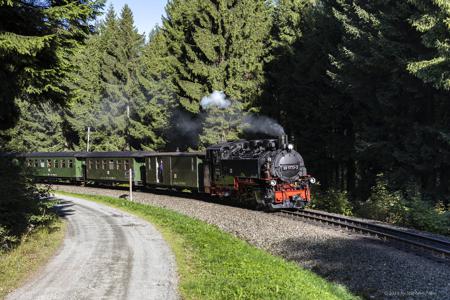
(119, 164)
(49, 163)
(91, 164)
(149, 164)
(63, 163)
(127, 165)
(111, 165)
(192, 164)
(29, 163)
(97, 164)
(56, 163)
(103, 164)
(42, 163)
(70, 163)
(36, 164)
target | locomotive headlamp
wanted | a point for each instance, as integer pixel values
(290, 147)
(312, 180)
(273, 182)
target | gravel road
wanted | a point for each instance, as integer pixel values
(367, 266)
(106, 254)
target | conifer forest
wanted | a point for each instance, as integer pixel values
(362, 88)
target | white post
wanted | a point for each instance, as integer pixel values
(88, 137)
(131, 184)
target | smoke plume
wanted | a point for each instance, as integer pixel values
(262, 124)
(250, 123)
(217, 99)
(186, 124)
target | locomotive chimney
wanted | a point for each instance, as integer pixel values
(292, 141)
(283, 141)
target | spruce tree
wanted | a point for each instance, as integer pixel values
(299, 93)
(40, 128)
(432, 19)
(398, 119)
(126, 116)
(113, 82)
(37, 41)
(158, 87)
(218, 45)
(85, 85)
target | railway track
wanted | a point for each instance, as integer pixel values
(435, 246)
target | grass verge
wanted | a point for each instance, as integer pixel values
(33, 252)
(213, 264)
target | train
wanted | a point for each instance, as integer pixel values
(267, 174)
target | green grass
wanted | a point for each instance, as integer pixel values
(33, 252)
(213, 264)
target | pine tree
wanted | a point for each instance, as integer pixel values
(218, 45)
(37, 40)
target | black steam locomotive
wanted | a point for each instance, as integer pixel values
(267, 174)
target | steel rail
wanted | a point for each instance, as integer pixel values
(437, 246)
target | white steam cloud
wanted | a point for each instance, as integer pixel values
(251, 123)
(217, 99)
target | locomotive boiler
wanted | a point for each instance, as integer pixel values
(265, 173)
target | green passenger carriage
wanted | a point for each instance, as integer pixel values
(55, 166)
(113, 167)
(178, 170)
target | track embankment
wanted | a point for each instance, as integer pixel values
(367, 266)
(107, 254)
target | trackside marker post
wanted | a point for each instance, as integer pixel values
(131, 183)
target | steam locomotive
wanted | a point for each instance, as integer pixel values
(266, 174)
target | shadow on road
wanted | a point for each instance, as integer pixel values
(63, 209)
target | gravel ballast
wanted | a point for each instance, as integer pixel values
(367, 266)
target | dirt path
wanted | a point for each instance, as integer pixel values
(107, 254)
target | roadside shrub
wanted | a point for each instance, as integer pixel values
(333, 201)
(392, 207)
(384, 205)
(23, 206)
(424, 216)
